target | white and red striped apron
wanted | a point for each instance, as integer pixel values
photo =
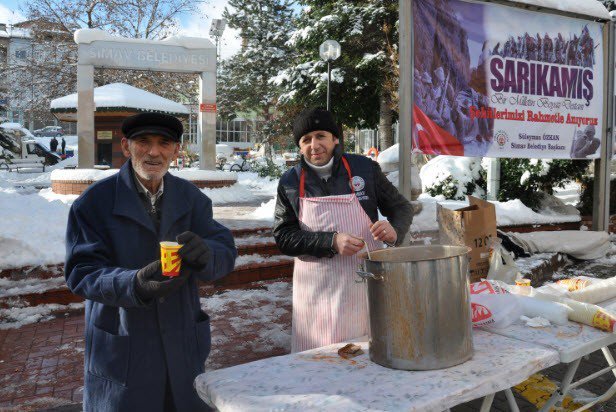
(328, 305)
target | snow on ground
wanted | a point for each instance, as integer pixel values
(265, 212)
(263, 307)
(570, 194)
(527, 264)
(16, 316)
(256, 258)
(252, 240)
(510, 213)
(35, 220)
(29, 285)
(33, 229)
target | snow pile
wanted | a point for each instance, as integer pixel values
(93, 175)
(265, 212)
(389, 155)
(449, 173)
(81, 175)
(510, 213)
(513, 212)
(29, 285)
(196, 174)
(33, 230)
(259, 185)
(16, 317)
(16, 126)
(256, 258)
(122, 95)
(231, 194)
(252, 240)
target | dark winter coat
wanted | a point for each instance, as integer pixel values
(53, 144)
(377, 193)
(132, 347)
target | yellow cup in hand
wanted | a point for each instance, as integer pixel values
(170, 259)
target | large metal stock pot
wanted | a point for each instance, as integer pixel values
(419, 305)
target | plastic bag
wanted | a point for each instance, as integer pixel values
(488, 287)
(494, 310)
(586, 313)
(556, 313)
(502, 265)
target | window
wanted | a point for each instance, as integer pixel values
(20, 54)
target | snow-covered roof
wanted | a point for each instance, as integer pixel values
(121, 95)
(15, 32)
(84, 36)
(592, 8)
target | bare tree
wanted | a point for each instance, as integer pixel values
(48, 69)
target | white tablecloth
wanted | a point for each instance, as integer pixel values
(320, 379)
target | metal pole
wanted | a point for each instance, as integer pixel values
(493, 178)
(601, 197)
(406, 91)
(329, 73)
(206, 125)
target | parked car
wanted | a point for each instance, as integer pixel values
(49, 131)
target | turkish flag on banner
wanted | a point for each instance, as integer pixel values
(430, 138)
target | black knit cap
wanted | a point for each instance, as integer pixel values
(310, 120)
(153, 123)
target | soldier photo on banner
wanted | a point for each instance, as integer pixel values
(483, 87)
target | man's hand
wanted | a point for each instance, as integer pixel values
(151, 283)
(194, 251)
(347, 245)
(384, 231)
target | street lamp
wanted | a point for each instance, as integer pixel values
(216, 29)
(329, 51)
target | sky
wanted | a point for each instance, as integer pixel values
(197, 25)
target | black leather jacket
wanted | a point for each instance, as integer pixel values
(378, 194)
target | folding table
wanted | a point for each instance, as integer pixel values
(319, 379)
(572, 342)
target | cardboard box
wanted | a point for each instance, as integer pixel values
(472, 226)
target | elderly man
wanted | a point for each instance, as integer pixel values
(146, 335)
(327, 212)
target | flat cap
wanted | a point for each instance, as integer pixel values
(152, 123)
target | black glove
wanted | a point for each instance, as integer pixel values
(194, 251)
(150, 282)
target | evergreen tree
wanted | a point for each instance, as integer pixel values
(364, 80)
(609, 4)
(244, 84)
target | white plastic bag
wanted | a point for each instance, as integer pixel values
(502, 265)
(555, 312)
(494, 310)
(586, 313)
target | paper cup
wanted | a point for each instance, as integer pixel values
(169, 258)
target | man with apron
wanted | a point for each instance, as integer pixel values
(326, 212)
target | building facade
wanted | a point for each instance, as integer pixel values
(28, 50)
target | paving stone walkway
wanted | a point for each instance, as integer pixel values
(41, 364)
